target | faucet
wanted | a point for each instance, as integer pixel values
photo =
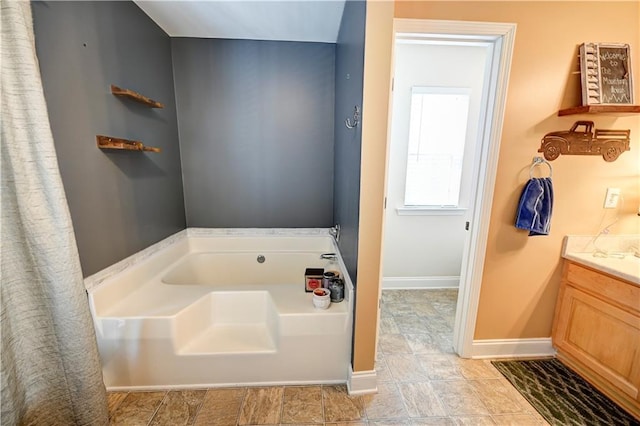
(328, 256)
(335, 231)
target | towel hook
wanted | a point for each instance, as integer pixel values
(356, 119)
(536, 162)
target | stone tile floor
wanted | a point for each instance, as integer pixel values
(420, 382)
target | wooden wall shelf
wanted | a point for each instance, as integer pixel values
(599, 109)
(107, 142)
(126, 93)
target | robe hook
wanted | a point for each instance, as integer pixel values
(356, 119)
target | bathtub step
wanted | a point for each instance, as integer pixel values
(231, 338)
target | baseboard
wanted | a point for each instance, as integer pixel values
(362, 382)
(420, 282)
(223, 385)
(512, 348)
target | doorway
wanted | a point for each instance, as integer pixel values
(437, 237)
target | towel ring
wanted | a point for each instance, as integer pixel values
(536, 162)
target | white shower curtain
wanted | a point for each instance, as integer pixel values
(50, 367)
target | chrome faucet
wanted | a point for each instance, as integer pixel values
(328, 256)
(335, 231)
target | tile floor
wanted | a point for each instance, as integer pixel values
(420, 382)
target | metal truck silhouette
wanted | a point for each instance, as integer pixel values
(582, 139)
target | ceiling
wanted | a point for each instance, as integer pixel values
(291, 20)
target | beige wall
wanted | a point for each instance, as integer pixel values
(522, 273)
(377, 83)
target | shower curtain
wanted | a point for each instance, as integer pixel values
(50, 367)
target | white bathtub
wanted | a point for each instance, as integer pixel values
(198, 309)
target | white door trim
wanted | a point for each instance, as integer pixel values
(502, 36)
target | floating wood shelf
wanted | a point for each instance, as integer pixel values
(126, 93)
(107, 142)
(599, 109)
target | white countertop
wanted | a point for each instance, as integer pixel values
(611, 254)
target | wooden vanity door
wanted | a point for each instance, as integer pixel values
(602, 337)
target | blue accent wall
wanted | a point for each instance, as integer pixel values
(120, 201)
(256, 132)
(349, 84)
(252, 133)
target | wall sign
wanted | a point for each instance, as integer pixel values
(605, 70)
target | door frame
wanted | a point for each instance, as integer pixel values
(502, 37)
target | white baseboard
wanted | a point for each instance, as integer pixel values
(420, 282)
(362, 382)
(512, 348)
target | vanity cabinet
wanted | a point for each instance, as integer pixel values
(596, 332)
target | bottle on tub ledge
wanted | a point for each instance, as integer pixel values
(327, 277)
(336, 286)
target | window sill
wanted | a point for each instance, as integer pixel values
(430, 211)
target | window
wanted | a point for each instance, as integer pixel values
(437, 133)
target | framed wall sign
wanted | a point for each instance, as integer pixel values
(605, 70)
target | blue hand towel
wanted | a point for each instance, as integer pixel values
(535, 206)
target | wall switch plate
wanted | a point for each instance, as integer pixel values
(612, 197)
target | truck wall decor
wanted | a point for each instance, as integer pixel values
(582, 139)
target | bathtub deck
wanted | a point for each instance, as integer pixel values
(156, 299)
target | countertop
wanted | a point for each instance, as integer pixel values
(611, 254)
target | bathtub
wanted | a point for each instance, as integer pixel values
(221, 307)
